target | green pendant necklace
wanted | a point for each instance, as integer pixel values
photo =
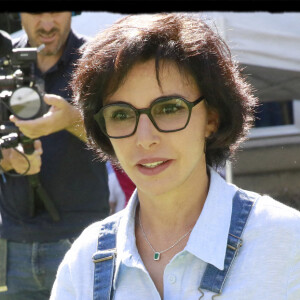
(157, 254)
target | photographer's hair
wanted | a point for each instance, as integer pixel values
(195, 48)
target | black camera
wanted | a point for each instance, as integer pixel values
(20, 92)
(22, 96)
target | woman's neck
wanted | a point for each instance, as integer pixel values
(177, 210)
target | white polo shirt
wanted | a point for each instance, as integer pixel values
(266, 268)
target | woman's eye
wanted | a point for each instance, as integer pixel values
(119, 116)
(170, 108)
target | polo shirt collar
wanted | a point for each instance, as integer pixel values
(208, 239)
(126, 242)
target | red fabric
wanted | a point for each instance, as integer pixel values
(125, 182)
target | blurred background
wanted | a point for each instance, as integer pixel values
(267, 46)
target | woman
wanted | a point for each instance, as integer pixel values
(161, 95)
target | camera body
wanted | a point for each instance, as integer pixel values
(20, 91)
(22, 96)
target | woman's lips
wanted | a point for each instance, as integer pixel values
(153, 166)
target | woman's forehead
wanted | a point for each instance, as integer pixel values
(144, 79)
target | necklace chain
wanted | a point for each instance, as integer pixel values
(158, 253)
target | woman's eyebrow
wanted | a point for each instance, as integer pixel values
(152, 101)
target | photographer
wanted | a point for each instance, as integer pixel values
(68, 172)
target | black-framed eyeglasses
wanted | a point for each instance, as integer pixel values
(167, 114)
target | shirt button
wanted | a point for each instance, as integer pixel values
(172, 279)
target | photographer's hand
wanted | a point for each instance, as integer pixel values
(61, 115)
(14, 160)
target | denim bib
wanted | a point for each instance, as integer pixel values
(213, 279)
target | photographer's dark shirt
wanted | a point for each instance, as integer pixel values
(73, 179)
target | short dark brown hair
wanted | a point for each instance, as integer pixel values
(184, 39)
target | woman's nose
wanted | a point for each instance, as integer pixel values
(146, 134)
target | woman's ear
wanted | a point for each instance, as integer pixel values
(212, 122)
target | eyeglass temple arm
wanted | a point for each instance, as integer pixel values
(198, 100)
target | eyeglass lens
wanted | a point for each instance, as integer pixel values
(167, 115)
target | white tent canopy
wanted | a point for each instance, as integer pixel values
(267, 44)
(263, 39)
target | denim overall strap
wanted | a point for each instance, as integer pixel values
(213, 278)
(104, 260)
